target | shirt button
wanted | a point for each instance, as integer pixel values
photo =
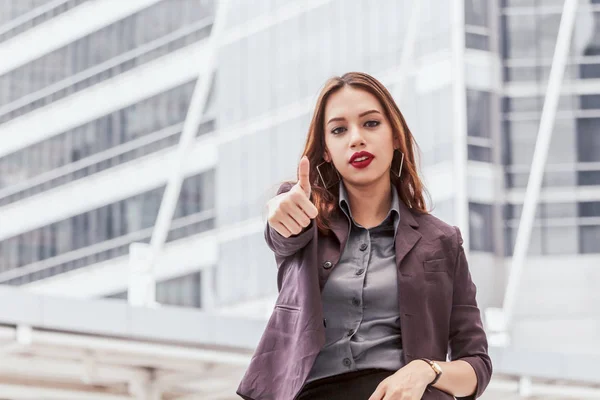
(363, 247)
(360, 271)
(355, 302)
(347, 362)
(327, 264)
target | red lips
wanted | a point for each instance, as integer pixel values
(361, 154)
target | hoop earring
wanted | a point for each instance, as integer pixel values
(327, 186)
(397, 153)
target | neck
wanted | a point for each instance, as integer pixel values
(370, 203)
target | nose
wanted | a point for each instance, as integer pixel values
(356, 138)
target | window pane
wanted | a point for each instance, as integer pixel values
(588, 139)
(476, 41)
(481, 232)
(476, 12)
(590, 239)
(478, 113)
(560, 240)
(477, 153)
(589, 209)
(586, 178)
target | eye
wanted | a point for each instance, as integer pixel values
(372, 123)
(337, 131)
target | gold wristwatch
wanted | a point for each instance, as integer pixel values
(435, 367)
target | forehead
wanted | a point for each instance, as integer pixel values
(349, 102)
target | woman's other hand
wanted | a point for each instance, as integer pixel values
(408, 383)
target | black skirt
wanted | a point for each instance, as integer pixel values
(355, 385)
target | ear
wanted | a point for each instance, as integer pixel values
(326, 156)
(396, 144)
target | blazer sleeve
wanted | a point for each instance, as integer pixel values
(282, 246)
(468, 341)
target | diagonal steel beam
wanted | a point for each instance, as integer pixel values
(188, 135)
(503, 318)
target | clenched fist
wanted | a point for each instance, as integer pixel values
(290, 212)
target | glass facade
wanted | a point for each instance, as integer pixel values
(183, 291)
(479, 126)
(477, 24)
(277, 69)
(104, 233)
(530, 30)
(18, 17)
(151, 33)
(124, 135)
(12, 9)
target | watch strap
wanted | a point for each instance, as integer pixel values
(438, 374)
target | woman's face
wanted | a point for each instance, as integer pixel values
(355, 121)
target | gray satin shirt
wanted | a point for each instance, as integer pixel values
(360, 300)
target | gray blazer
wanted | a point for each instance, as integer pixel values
(438, 310)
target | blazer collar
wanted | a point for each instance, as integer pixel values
(407, 234)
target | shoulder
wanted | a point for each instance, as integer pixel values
(434, 229)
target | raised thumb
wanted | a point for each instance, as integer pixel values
(303, 175)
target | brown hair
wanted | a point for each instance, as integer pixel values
(410, 188)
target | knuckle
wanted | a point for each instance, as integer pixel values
(296, 196)
(276, 216)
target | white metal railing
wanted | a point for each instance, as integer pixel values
(103, 246)
(525, 387)
(105, 66)
(36, 12)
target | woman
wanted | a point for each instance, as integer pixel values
(375, 294)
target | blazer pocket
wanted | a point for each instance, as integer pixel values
(283, 319)
(438, 265)
(287, 307)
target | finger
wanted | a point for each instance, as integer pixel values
(281, 228)
(307, 207)
(378, 393)
(291, 224)
(303, 175)
(294, 211)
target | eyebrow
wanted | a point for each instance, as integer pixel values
(359, 115)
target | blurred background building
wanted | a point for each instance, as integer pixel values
(94, 93)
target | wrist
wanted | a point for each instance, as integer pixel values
(435, 367)
(427, 374)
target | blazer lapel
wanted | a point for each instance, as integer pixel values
(406, 238)
(409, 286)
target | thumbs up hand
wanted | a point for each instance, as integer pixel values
(291, 212)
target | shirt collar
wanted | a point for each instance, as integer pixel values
(344, 204)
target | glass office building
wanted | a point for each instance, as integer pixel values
(93, 102)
